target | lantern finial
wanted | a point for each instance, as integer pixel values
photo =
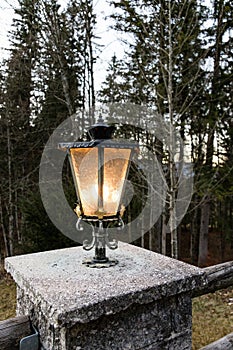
(101, 130)
(100, 119)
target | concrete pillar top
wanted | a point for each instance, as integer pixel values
(70, 292)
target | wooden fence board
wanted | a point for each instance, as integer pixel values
(12, 331)
(225, 343)
(218, 276)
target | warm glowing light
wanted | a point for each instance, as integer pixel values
(86, 172)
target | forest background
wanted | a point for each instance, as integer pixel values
(178, 61)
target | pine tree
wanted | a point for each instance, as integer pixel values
(164, 69)
(48, 77)
(16, 117)
(218, 104)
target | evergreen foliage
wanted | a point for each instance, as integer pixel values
(180, 64)
(46, 78)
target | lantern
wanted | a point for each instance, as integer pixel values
(100, 168)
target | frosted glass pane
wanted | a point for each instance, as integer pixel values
(85, 165)
(115, 168)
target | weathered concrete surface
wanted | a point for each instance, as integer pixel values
(144, 301)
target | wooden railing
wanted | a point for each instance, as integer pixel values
(218, 277)
(12, 331)
(225, 343)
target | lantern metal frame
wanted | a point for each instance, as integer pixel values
(101, 138)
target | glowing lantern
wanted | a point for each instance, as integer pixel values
(100, 168)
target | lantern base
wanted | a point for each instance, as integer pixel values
(100, 263)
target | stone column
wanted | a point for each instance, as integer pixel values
(144, 302)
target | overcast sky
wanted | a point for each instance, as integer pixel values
(109, 39)
(6, 13)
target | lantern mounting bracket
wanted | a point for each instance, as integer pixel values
(100, 240)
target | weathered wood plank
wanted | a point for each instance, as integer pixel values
(218, 277)
(12, 331)
(225, 343)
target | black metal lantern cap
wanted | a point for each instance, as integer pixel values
(101, 130)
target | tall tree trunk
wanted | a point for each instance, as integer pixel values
(205, 207)
(53, 24)
(204, 230)
(194, 241)
(10, 191)
(143, 227)
(223, 211)
(164, 235)
(17, 226)
(172, 170)
(155, 231)
(90, 59)
(7, 253)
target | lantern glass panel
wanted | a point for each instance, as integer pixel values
(85, 167)
(116, 163)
